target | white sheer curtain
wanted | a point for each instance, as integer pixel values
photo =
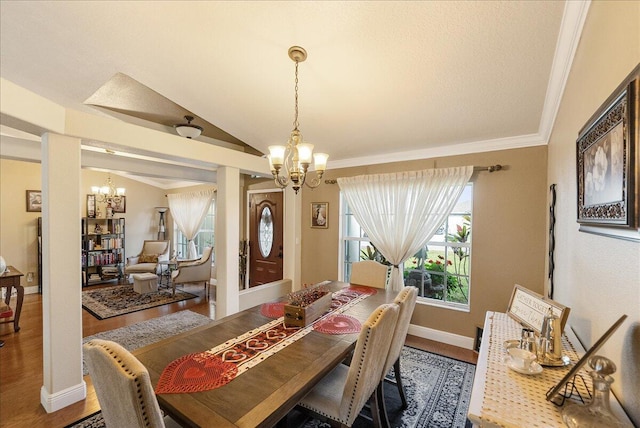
(188, 211)
(400, 212)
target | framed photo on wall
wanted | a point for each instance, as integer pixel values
(120, 206)
(91, 206)
(607, 161)
(320, 215)
(34, 201)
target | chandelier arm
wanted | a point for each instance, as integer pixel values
(280, 181)
(314, 182)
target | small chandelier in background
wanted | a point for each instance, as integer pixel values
(108, 193)
(188, 130)
(294, 158)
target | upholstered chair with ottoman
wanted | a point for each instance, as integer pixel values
(147, 261)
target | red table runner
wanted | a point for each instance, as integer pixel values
(218, 366)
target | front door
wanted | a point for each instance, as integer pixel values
(265, 238)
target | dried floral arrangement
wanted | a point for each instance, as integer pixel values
(307, 296)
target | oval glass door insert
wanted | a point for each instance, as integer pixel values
(266, 232)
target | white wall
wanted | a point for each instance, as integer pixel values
(597, 277)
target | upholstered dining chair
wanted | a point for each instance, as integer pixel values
(147, 261)
(341, 394)
(123, 387)
(406, 301)
(193, 271)
(369, 273)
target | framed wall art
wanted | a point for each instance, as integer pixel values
(91, 206)
(320, 215)
(34, 201)
(120, 206)
(607, 161)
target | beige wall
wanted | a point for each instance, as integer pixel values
(509, 217)
(598, 277)
(18, 228)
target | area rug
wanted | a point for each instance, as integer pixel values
(438, 393)
(151, 331)
(110, 302)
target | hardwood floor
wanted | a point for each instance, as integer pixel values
(21, 370)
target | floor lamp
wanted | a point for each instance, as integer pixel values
(161, 226)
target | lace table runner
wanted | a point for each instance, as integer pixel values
(512, 399)
(215, 367)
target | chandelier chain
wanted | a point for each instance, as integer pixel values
(295, 120)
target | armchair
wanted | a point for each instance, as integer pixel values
(147, 261)
(193, 271)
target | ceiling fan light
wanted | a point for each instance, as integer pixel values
(188, 130)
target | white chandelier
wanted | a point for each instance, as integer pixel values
(108, 193)
(294, 158)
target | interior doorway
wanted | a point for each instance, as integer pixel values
(265, 237)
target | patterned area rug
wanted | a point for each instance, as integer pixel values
(438, 393)
(151, 331)
(110, 302)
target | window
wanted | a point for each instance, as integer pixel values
(204, 238)
(440, 270)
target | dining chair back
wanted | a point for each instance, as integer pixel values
(123, 386)
(341, 394)
(406, 301)
(369, 273)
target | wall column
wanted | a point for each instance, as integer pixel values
(227, 241)
(61, 273)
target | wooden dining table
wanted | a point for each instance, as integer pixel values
(264, 394)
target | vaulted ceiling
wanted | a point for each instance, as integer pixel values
(383, 80)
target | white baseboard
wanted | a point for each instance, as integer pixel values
(64, 398)
(441, 336)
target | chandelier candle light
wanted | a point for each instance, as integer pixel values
(294, 158)
(108, 193)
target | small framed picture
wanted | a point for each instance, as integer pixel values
(91, 206)
(120, 205)
(320, 215)
(34, 201)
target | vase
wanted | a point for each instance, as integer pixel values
(598, 412)
(3, 265)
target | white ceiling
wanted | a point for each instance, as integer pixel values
(385, 80)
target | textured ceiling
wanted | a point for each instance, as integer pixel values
(381, 77)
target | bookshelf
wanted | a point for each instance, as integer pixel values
(102, 250)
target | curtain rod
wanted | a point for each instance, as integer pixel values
(490, 168)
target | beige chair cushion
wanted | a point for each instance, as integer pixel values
(369, 273)
(345, 390)
(141, 268)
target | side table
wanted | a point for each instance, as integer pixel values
(166, 267)
(9, 279)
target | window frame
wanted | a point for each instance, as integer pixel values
(180, 242)
(344, 264)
